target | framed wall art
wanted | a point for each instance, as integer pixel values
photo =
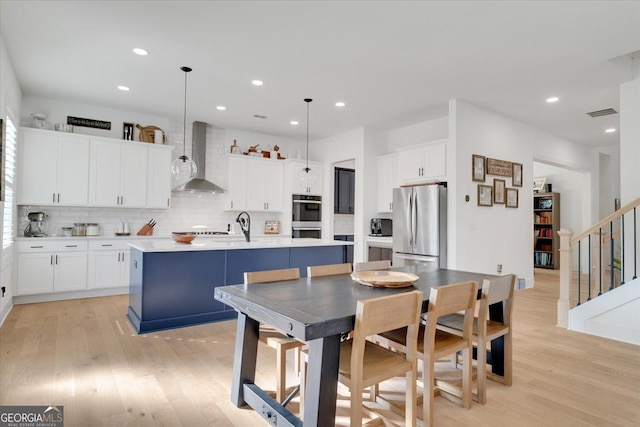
(478, 167)
(499, 186)
(538, 183)
(512, 197)
(272, 227)
(517, 175)
(485, 195)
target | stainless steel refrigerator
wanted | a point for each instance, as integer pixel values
(420, 225)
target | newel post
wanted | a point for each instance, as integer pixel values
(565, 277)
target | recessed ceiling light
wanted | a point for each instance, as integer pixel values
(221, 107)
(340, 104)
(610, 130)
(552, 99)
(293, 122)
(257, 82)
(140, 51)
(124, 88)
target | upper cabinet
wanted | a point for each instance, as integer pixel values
(255, 184)
(65, 169)
(424, 163)
(53, 168)
(158, 178)
(297, 186)
(118, 174)
(387, 181)
(344, 191)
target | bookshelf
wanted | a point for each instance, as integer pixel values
(546, 224)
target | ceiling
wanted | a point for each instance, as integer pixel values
(392, 63)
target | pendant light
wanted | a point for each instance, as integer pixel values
(183, 168)
(306, 176)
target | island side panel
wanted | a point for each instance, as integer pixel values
(178, 289)
(303, 257)
(134, 312)
(239, 261)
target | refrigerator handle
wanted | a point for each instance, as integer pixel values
(414, 226)
(409, 215)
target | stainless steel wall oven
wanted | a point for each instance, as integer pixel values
(306, 218)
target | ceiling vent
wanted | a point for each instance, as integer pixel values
(259, 116)
(605, 112)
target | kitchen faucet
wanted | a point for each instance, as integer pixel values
(245, 224)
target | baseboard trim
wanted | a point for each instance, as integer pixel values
(59, 296)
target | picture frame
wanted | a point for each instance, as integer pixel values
(272, 227)
(516, 175)
(485, 195)
(538, 184)
(499, 186)
(512, 198)
(478, 170)
(127, 131)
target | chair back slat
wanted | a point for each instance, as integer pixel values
(388, 313)
(449, 299)
(328, 269)
(268, 276)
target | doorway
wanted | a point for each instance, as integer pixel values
(344, 203)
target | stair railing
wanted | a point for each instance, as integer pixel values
(610, 249)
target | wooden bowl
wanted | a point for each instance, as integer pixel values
(183, 237)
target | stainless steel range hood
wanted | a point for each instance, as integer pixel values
(199, 155)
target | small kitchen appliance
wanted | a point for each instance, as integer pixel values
(381, 227)
(36, 225)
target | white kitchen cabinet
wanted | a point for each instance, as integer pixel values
(387, 181)
(424, 163)
(118, 174)
(51, 266)
(53, 168)
(265, 185)
(298, 187)
(158, 177)
(237, 185)
(108, 264)
(255, 184)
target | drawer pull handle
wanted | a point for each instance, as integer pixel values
(106, 245)
(36, 247)
(70, 246)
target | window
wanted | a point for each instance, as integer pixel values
(9, 173)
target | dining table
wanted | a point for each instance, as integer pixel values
(318, 311)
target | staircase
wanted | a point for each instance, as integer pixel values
(599, 285)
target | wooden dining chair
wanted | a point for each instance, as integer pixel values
(434, 344)
(383, 264)
(364, 364)
(271, 336)
(486, 330)
(328, 269)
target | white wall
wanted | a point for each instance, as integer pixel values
(10, 99)
(419, 133)
(487, 236)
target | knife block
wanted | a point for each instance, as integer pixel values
(145, 230)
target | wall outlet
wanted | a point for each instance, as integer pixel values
(499, 268)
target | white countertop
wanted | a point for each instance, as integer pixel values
(226, 243)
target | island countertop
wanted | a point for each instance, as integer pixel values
(224, 244)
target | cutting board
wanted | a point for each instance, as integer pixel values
(147, 134)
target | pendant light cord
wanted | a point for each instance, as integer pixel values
(184, 118)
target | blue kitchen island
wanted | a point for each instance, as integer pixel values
(173, 284)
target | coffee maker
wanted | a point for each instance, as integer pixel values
(35, 227)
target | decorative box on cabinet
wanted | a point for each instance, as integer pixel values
(118, 175)
(546, 224)
(108, 264)
(53, 168)
(423, 163)
(51, 266)
(387, 181)
(293, 167)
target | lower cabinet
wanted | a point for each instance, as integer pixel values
(108, 264)
(54, 266)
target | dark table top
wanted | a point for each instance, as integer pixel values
(311, 308)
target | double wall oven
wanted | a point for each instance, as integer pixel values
(306, 216)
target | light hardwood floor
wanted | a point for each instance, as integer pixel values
(83, 354)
